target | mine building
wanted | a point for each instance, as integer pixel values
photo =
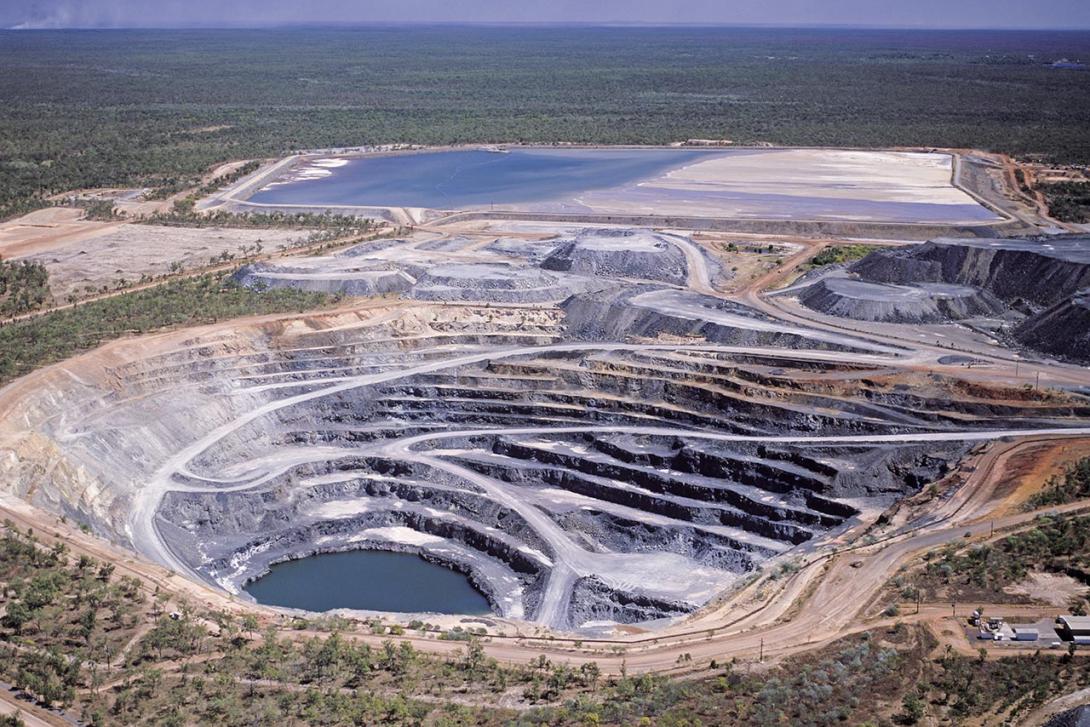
(1074, 628)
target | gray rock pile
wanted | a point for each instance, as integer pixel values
(635, 254)
(1041, 286)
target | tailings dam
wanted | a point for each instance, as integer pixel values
(769, 184)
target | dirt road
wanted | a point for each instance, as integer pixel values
(31, 714)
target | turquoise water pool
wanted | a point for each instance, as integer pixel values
(369, 580)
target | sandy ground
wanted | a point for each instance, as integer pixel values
(80, 253)
(1053, 588)
(806, 184)
(749, 258)
(870, 175)
(46, 229)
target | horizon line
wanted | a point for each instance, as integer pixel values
(26, 27)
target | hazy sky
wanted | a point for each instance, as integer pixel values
(900, 13)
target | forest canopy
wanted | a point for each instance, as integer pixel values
(156, 108)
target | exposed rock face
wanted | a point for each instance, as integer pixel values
(1040, 271)
(1045, 281)
(598, 603)
(623, 253)
(1062, 330)
(621, 313)
(1077, 717)
(495, 283)
(356, 280)
(354, 271)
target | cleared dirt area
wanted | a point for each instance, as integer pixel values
(1052, 588)
(47, 229)
(84, 256)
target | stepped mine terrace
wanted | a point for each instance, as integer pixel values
(604, 386)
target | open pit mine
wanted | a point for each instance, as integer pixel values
(598, 423)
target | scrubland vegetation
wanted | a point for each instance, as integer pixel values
(160, 108)
(961, 688)
(841, 254)
(341, 225)
(79, 636)
(1073, 484)
(1055, 545)
(29, 344)
(1068, 201)
(24, 286)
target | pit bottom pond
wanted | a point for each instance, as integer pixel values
(368, 580)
